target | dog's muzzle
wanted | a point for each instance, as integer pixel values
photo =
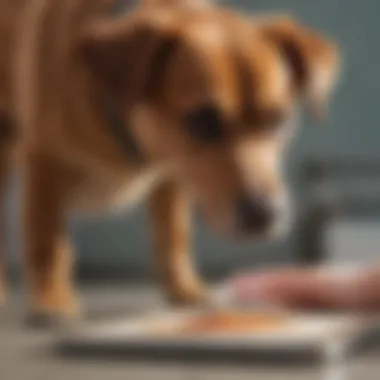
(256, 214)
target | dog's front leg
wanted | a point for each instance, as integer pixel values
(171, 217)
(47, 251)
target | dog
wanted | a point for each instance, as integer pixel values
(180, 103)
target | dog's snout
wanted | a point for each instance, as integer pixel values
(254, 214)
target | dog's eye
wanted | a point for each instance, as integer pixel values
(205, 124)
(272, 121)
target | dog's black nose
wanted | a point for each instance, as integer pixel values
(254, 214)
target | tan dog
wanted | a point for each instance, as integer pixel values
(181, 103)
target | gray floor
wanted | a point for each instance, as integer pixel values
(24, 354)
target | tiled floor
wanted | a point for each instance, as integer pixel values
(25, 354)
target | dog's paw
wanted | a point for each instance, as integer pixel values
(198, 295)
(46, 320)
(46, 315)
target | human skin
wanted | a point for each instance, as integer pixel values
(355, 289)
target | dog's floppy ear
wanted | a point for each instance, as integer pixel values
(128, 55)
(313, 60)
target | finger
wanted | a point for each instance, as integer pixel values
(357, 289)
(281, 286)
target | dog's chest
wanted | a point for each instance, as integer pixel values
(95, 193)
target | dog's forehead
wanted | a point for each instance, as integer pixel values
(230, 48)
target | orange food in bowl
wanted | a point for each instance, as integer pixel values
(222, 322)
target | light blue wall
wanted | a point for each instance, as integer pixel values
(353, 129)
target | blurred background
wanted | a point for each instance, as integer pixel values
(119, 246)
(334, 175)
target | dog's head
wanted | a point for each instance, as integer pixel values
(215, 94)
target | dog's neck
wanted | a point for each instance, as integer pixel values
(113, 142)
(120, 130)
(113, 116)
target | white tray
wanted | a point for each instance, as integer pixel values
(306, 337)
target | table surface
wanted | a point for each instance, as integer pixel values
(25, 354)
